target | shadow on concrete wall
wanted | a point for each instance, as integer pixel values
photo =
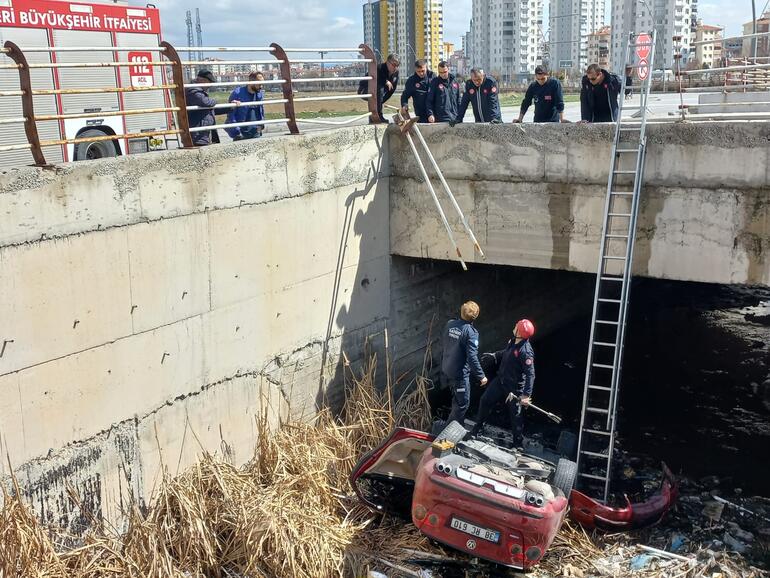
(363, 223)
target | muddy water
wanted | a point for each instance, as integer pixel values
(696, 381)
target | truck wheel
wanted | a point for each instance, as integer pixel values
(87, 151)
(453, 432)
(565, 476)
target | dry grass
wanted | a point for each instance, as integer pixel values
(290, 513)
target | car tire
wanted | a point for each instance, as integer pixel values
(566, 447)
(565, 476)
(453, 432)
(85, 151)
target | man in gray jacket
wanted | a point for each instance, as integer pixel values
(199, 96)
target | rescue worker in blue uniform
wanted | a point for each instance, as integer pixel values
(416, 88)
(547, 95)
(461, 359)
(481, 93)
(514, 382)
(599, 95)
(443, 99)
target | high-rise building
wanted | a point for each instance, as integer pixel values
(379, 27)
(448, 51)
(571, 22)
(599, 47)
(468, 42)
(411, 29)
(669, 18)
(505, 37)
(708, 55)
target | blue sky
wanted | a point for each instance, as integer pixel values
(336, 22)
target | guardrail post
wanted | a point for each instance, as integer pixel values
(180, 100)
(367, 52)
(288, 88)
(27, 102)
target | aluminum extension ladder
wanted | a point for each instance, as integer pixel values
(598, 423)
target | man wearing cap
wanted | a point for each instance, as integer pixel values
(443, 96)
(514, 382)
(481, 94)
(416, 88)
(460, 359)
(199, 96)
(546, 93)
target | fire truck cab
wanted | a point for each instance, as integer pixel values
(100, 26)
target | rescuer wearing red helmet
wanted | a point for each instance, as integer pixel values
(514, 381)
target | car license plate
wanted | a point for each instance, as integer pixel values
(473, 530)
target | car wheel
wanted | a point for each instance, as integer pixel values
(87, 151)
(453, 432)
(565, 476)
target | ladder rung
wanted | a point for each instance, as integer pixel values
(603, 322)
(627, 150)
(627, 215)
(625, 172)
(596, 431)
(593, 477)
(604, 344)
(594, 454)
(603, 366)
(604, 300)
(613, 258)
(630, 193)
(628, 129)
(613, 236)
(598, 410)
(599, 388)
(618, 279)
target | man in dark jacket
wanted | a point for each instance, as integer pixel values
(251, 93)
(461, 359)
(513, 383)
(481, 94)
(546, 93)
(416, 88)
(443, 98)
(599, 95)
(199, 96)
(387, 81)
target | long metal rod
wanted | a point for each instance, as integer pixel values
(231, 83)
(16, 120)
(49, 143)
(328, 60)
(94, 49)
(100, 114)
(27, 102)
(240, 104)
(337, 79)
(723, 89)
(180, 96)
(447, 190)
(213, 63)
(426, 178)
(321, 49)
(322, 98)
(95, 64)
(236, 124)
(232, 49)
(52, 91)
(720, 40)
(333, 122)
(16, 147)
(726, 69)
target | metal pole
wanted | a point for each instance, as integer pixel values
(754, 27)
(27, 104)
(372, 67)
(288, 89)
(180, 99)
(446, 187)
(435, 200)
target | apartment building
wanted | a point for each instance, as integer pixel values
(668, 18)
(708, 55)
(572, 21)
(505, 37)
(599, 47)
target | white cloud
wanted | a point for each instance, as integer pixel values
(341, 23)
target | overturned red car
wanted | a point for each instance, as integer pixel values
(497, 504)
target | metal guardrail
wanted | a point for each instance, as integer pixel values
(176, 88)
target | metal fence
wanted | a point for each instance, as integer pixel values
(174, 86)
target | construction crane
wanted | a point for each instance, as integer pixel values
(198, 32)
(190, 39)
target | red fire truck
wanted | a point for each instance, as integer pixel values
(100, 27)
